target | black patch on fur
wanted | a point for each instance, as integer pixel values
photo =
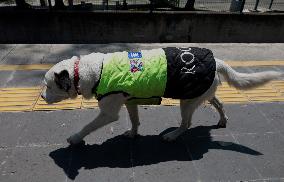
(63, 80)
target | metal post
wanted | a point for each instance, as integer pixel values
(189, 5)
(42, 3)
(70, 3)
(105, 4)
(151, 6)
(49, 5)
(124, 5)
(256, 5)
(21, 4)
(270, 5)
(116, 5)
(242, 6)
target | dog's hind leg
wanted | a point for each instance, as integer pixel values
(219, 106)
(134, 118)
(109, 109)
(187, 108)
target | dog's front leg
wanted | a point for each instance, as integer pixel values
(187, 107)
(134, 118)
(109, 109)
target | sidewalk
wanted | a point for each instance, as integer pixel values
(33, 144)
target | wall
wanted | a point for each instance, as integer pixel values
(102, 27)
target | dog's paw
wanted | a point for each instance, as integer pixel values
(74, 139)
(130, 134)
(222, 122)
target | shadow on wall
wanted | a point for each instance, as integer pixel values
(144, 150)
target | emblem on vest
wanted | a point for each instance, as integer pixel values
(135, 61)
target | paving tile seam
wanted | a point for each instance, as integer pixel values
(264, 179)
(242, 92)
(247, 158)
(39, 145)
(13, 150)
(196, 167)
(46, 144)
(32, 145)
(240, 134)
(37, 99)
(28, 98)
(269, 121)
(187, 150)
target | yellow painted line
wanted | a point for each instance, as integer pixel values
(22, 88)
(3, 104)
(13, 99)
(243, 63)
(88, 104)
(15, 109)
(14, 92)
(41, 105)
(56, 107)
(25, 67)
(255, 63)
(18, 96)
(69, 101)
(28, 99)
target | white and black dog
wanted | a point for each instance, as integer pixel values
(190, 74)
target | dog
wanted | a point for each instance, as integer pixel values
(190, 74)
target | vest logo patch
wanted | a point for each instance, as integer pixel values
(136, 65)
(133, 55)
(135, 61)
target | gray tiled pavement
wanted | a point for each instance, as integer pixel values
(33, 147)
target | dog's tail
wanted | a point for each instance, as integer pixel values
(245, 80)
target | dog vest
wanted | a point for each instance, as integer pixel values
(139, 74)
(190, 72)
(179, 73)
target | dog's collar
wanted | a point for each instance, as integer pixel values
(76, 76)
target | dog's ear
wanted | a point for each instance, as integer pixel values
(63, 80)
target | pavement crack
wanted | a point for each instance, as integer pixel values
(253, 166)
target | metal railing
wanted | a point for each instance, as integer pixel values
(202, 5)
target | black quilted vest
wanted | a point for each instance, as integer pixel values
(190, 72)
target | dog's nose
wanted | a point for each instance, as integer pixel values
(42, 96)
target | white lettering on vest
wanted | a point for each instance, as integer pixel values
(187, 68)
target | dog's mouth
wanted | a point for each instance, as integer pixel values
(43, 96)
(48, 100)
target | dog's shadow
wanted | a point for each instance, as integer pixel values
(144, 150)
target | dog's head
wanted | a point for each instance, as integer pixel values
(58, 82)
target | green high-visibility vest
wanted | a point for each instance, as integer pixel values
(140, 74)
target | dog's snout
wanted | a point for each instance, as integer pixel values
(43, 96)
